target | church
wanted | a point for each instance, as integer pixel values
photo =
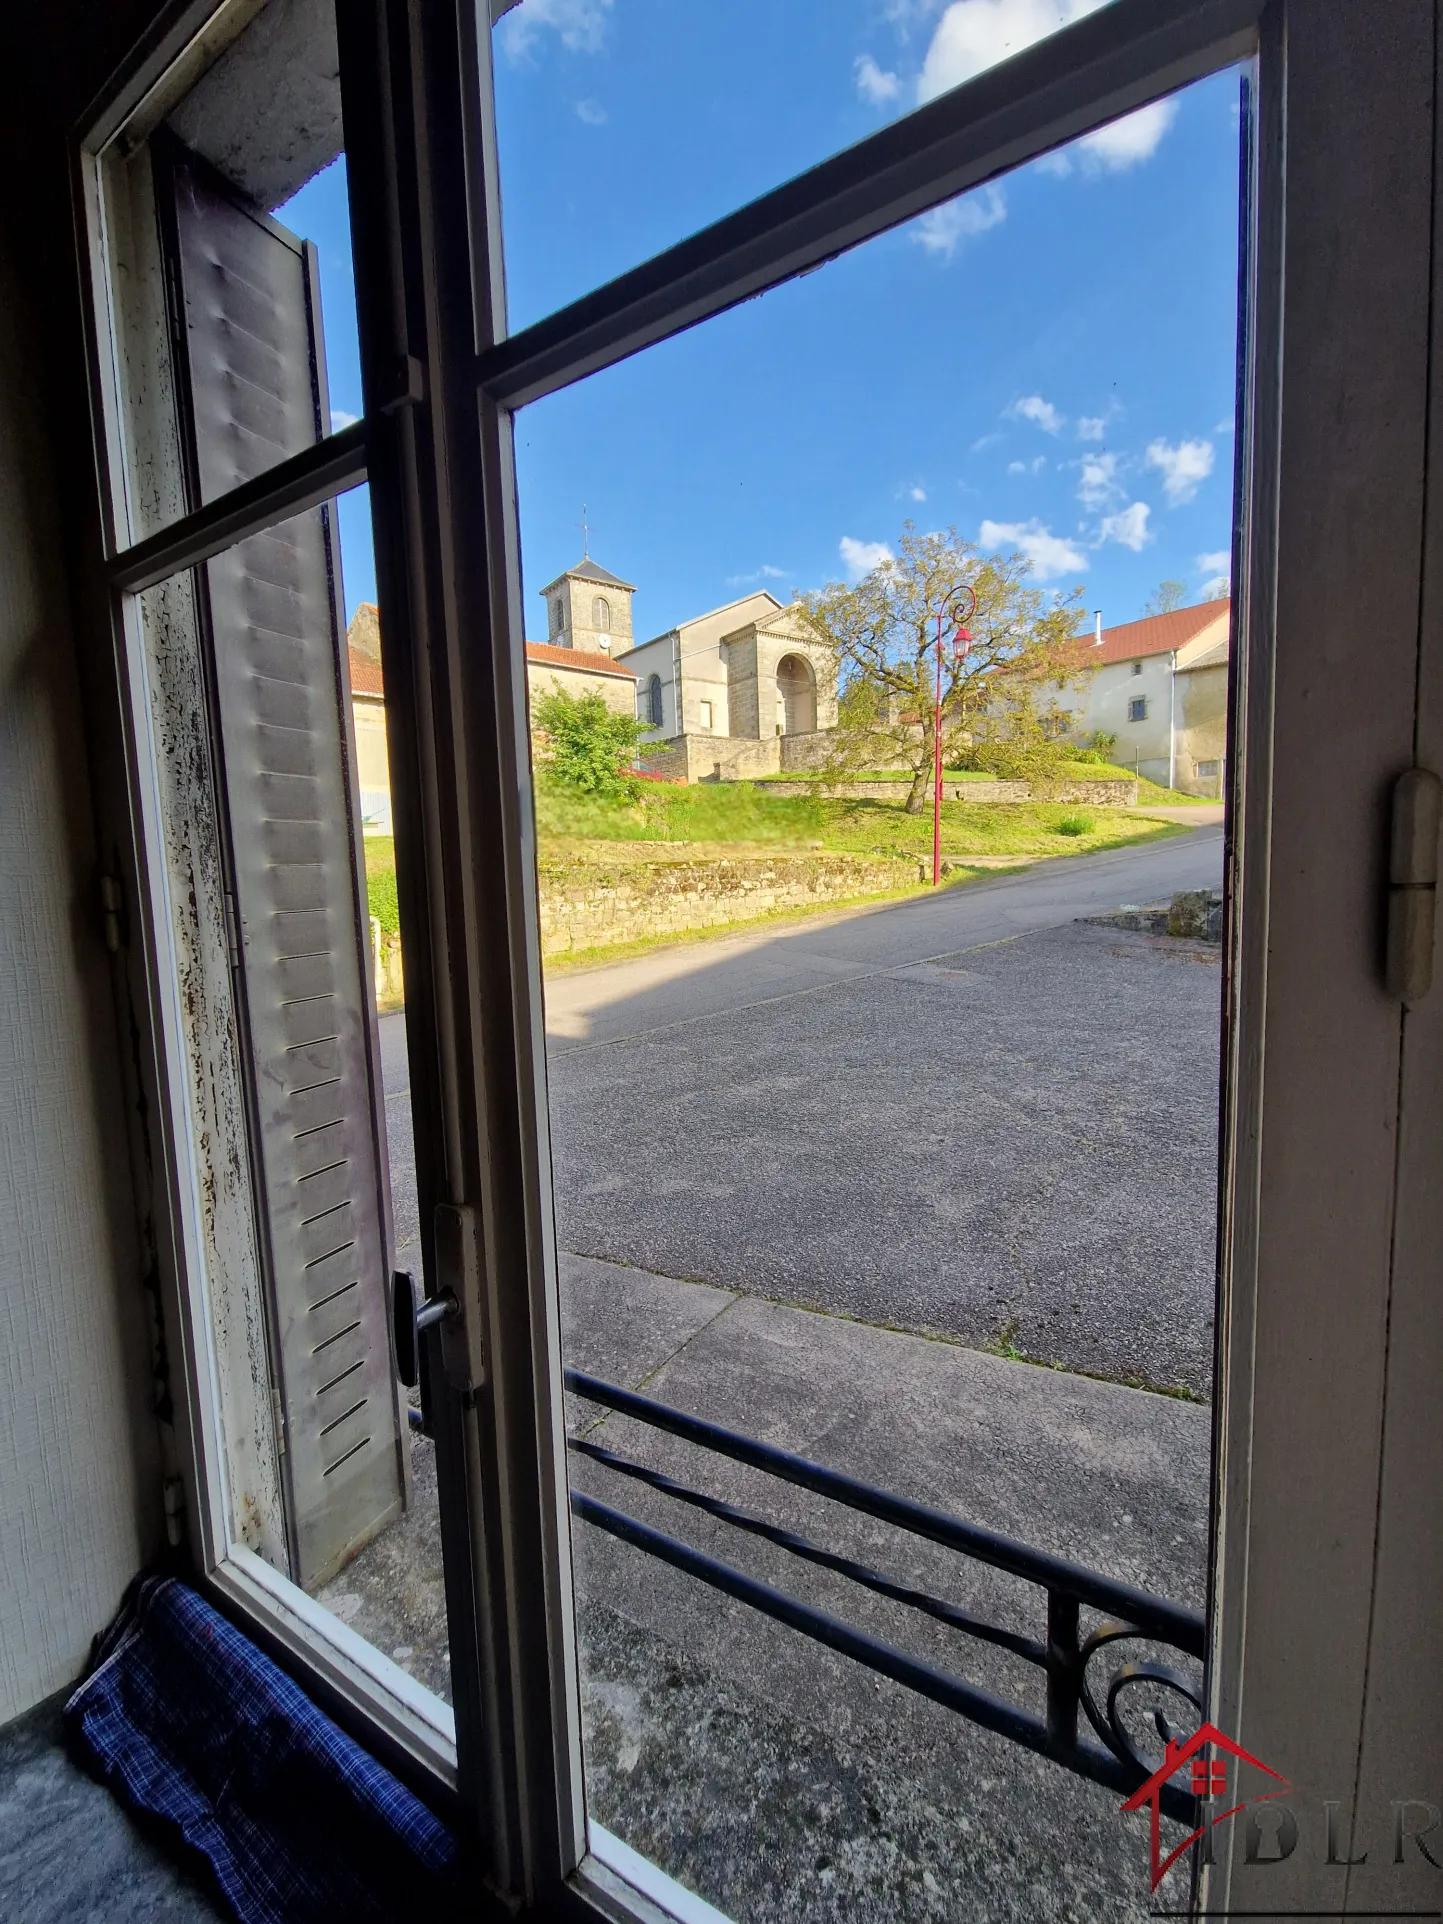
(737, 692)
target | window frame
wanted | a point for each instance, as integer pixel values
(426, 213)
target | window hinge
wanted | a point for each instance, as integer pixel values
(1413, 883)
(405, 385)
(110, 901)
(232, 930)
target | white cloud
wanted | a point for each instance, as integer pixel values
(1126, 142)
(1183, 468)
(1098, 483)
(1042, 414)
(860, 557)
(1050, 554)
(973, 35)
(874, 84)
(1056, 163)
(1217, 563)
(340, 418)
(1091, 427)
(1027, 467)
(1128, 527)
(917, 494)
(580, 25)
(765, 573)
(1226, 426)
(955, 220)
(591, 112)
(985, 441)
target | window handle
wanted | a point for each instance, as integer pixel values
(1413, 883)
(412, 1314)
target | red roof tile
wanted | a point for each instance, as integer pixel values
(1153, 635)
(580, 659)
(365, 673)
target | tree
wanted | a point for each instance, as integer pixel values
(586, 747)
(1166, 596)
(998, 706)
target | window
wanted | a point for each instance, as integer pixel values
(504, 1432)
(1137, 710)
(1137, 668)
(1206, 771)
(601, 614)
(555, 609)
(704, 715)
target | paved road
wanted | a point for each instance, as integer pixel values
(963, 1114)
(969, 1115)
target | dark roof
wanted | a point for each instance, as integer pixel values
(587, 570)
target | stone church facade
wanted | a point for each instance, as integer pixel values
(737, 692)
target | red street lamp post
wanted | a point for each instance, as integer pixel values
(956, 611)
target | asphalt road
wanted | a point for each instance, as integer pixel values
(964, 1114)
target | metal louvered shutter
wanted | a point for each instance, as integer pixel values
(248, 333)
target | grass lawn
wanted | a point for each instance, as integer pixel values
(737, 814)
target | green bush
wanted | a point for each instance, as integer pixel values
(587, 749)
(381, 899)
(1075, 825)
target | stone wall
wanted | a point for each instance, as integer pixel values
(587, 907)
(712, 758)
(1106, 792)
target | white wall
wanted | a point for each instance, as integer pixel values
(79, 1489)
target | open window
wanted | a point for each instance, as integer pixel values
(240, 556)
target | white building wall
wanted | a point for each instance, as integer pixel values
(1104, 701)
(80, 1490)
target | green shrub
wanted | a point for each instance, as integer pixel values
(381, 899)
(586, 748)
(1075, 825)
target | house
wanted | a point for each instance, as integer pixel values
(726, 689)
(1160, 686)
(567, 665)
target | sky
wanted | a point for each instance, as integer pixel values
(1046, 365)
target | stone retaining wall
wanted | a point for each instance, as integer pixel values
(1105, 792)
(591, 906)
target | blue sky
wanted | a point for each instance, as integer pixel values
(1048, 364)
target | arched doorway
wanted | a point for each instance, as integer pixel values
(796, 696)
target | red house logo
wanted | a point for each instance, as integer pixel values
(1209, 1782)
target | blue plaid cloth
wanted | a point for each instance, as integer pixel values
(189, 1723)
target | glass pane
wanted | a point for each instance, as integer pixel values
(274, 799)
(914, 1183)
(735, 100)
(228, 244)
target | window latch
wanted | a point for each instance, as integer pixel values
(1413, 883)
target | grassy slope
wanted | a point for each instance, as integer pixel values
(735, 814)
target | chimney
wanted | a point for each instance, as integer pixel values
(1097, 637)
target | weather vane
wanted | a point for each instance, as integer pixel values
(585, 535)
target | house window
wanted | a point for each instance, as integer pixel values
(1137, 710)
(1206, 771)
(601, 615)
(704, 715)
(1137, 667)
(556, 616)
(653, 701)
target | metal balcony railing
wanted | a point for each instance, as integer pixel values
(1064, 1654)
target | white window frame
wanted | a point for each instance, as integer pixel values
(1306, 1183)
